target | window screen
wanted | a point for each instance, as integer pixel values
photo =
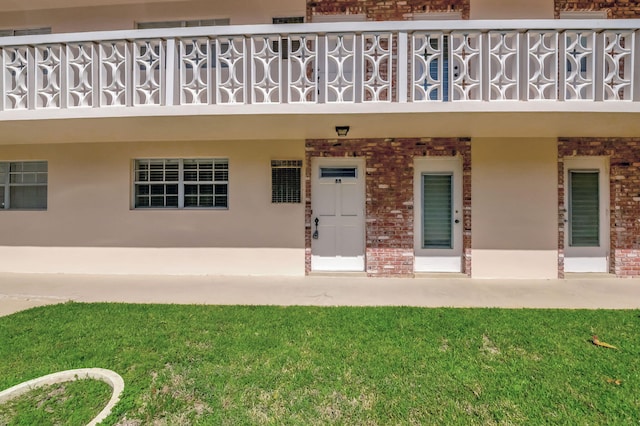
(181, 183)
(286, 181)
(23, 185)
(205, 183)
(584, 208)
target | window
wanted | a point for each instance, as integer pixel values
(289, 20)
(295, 45)
(181, 183)
(438, 16)
(584, 208)
(340, 17)
(26, 31)
(180, 24)
(23, 185)
(286, 181)
(338, 172)
(583, 14)
(437, 210)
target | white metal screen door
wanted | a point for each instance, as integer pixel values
(587, 212)
(337, 220)
(438, 214)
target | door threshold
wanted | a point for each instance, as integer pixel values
(588, 276)
(337, 274)
(441, 275)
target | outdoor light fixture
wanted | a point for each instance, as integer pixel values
(342, 130)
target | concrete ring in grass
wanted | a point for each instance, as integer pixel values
(111, 378)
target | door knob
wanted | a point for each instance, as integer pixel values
(457, 221)
(315, 234)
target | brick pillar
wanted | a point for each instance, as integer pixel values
(627, 9)
(387, 10)
(562, 214)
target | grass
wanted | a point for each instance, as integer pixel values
(307, 365)
(73, 403)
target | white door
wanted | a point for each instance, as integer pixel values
(337, 214)
(587, 214)
(438, 214)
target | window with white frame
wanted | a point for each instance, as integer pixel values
(286, 181)
(181, 183)
(23, 185)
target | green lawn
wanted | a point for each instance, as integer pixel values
(308, 365)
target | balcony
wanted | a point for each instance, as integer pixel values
(348, 68)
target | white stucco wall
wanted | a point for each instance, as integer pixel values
(90, 224)
(512, 9)
(124, 16)
(514, 208)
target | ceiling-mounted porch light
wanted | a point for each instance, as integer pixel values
(342, 130)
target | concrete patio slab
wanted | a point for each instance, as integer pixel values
(22, 291)
(10, 303)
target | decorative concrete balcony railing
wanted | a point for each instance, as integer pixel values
(375, 62)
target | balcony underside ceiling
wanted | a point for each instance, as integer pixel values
(321, 125)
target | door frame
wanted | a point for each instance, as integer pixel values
(355, 265)
(439, 260)
(589, 259)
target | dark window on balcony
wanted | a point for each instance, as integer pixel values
(285, 42)
(182, 24)
(289, 20)
(25, 31)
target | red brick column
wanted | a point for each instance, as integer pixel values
(625, 9)
(561, 208)
(624, 175)
(389, 224)
(385, 10)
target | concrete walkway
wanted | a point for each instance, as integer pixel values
(23, 291)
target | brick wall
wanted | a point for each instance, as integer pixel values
(624, 154)
(385, 10)
(617, 9)
(389, 196)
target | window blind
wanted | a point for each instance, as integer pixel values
(23, 185)
(286, 181)
(437, 208)
(584, 208)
